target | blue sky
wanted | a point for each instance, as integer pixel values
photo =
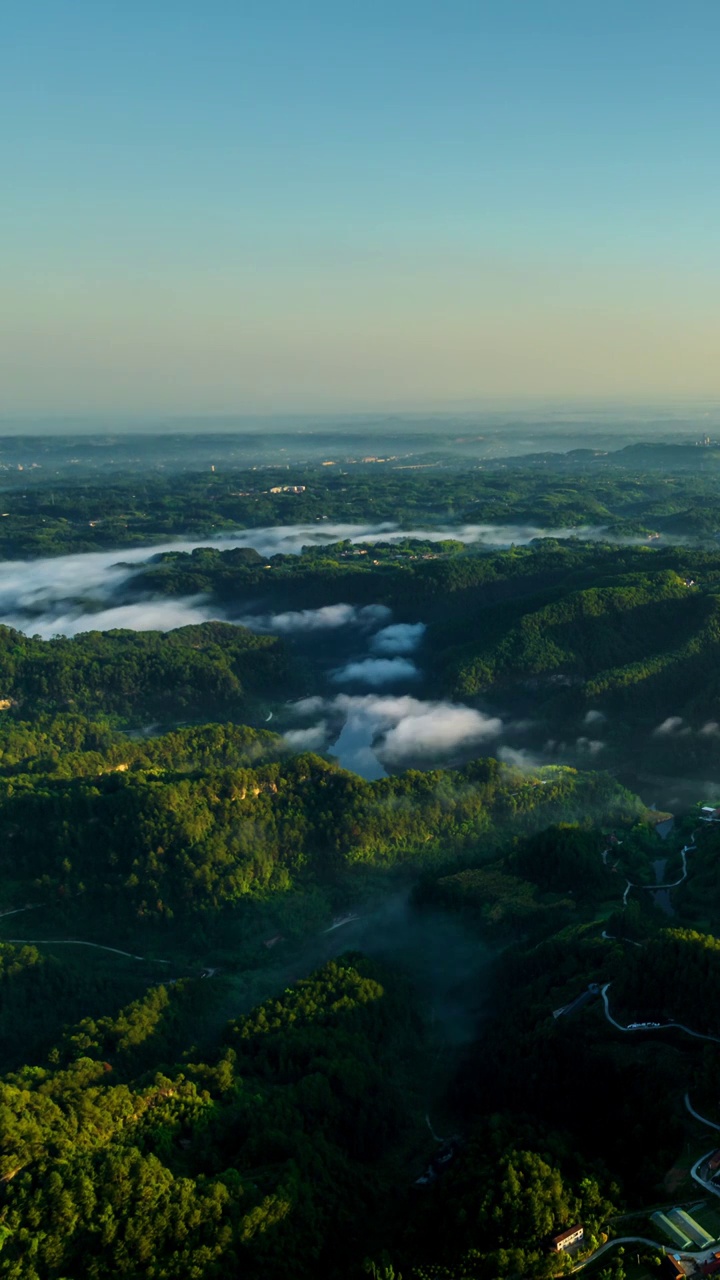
(230, 207)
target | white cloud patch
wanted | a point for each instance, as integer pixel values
(311, 739)
(307, 706)
(671, 725)
(589, 746)
(328, 618)
(520, 758)
(353, 747)
(290, 539)
(376, 671)
(401, 729)
(43, 596)
(437, 730)
(594, 717)
(155, 615)
(27, 583)
(398, 638)
(711, 729)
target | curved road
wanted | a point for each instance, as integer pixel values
(694, 1171)
(623, 1240)
(663, 1027)
(77, 942)
(613, 937)
(710, 1123)
(706, 1186)
(651, 888)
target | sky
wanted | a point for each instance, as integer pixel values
(269, 206)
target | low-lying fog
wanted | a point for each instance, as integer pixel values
(63, 595)
(67, 594)
(443, 959)
(369, 708)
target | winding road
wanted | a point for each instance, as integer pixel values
(652, 888)
(710, 1123)
(77, 942)
(698, 1254)
(694, 1172)
(706, 1186)
(611, 1244)
(613, 937)
(662, 1027)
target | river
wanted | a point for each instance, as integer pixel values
(353, 748)
(661, 897)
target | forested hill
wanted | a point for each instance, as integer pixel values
(211, 670)
(426, 575)
(629, 635)
(288, 1150)
(170, 831)
(214, 1168)
(71, 746)
(609, 636)
(159, 1121)
(442, 582)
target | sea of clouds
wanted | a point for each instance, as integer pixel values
(43, 596)
(390, 729)
(369, 718)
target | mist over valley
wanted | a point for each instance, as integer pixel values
(299, 816)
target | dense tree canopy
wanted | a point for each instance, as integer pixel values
(141, 675)
(155, 842)
(189, 1088)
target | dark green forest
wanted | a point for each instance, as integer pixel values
(185, 823)
(150, 1134)
(262, 1017)
(144, 675)
(153, 1135)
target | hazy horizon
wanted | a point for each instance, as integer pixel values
(638, 416)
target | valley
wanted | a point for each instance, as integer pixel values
(307, 831)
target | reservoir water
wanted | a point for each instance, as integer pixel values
(353, 748)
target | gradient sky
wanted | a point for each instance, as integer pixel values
(242, 205)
